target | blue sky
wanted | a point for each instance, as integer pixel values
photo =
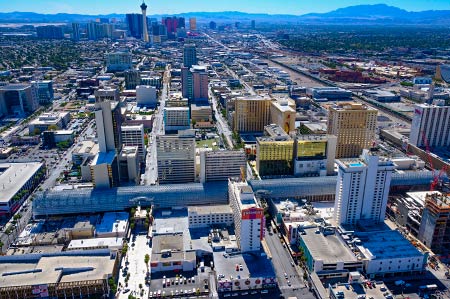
(178, 6)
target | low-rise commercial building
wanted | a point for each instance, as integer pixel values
(17, 181)
(210, 216)
(113, 224)
(84, 273)
(170, 254)
(329, 94)
(48, 121)
(382, 96)
(376, 251)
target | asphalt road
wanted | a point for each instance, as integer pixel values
(281, 260)
(151, 165)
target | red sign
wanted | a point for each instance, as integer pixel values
(252, 213)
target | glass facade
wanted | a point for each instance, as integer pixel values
(311, 150)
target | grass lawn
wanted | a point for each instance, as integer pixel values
(209, 143)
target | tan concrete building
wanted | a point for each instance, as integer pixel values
(251, 114)
(283, 114)
(354, 126)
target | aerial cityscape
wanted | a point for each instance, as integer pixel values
(256, 150)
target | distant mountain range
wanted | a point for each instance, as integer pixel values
(359, 14)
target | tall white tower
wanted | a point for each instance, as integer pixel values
(362, 189)
(144, 22)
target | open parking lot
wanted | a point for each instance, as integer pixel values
(182, 284)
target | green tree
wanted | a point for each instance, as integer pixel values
(146, 258)
(112, 285)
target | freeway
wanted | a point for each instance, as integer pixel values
(283, 264)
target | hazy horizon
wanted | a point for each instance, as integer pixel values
(294, 7)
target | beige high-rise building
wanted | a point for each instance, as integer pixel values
(354, 126)
(251, 114)
(283, 114)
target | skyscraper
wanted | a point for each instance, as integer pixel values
(176, 158)
(76, 31)
(354, 126)
(194, 83)
(362, 188)
(253, 24)
(104, 120)
(134, 23)
(189, 55)
(251, 114)
(104, 167)
(192, 24)
(212, 25)
(172, 24)
(144, 22)
(430, 125)
(50, 32)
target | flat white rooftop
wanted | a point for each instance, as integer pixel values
(111, 243)
(64, 267)
(13, 176)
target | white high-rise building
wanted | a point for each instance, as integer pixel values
(249, 220)
(134, 136)
(362, 188)
(430, 124)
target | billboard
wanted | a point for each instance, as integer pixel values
(252, 213)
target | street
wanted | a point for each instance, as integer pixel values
(282, 264)
(150, 176)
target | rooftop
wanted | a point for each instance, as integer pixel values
(13, 176)
(205, 210)
(132, 128)
(253, 265)
(95, 243)
(36, 269)
(104, 158)
(86, 147)
(327, 248)
(112, 222)
(357, 290)
(352, 106)
(386, 244)
(15, 87)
